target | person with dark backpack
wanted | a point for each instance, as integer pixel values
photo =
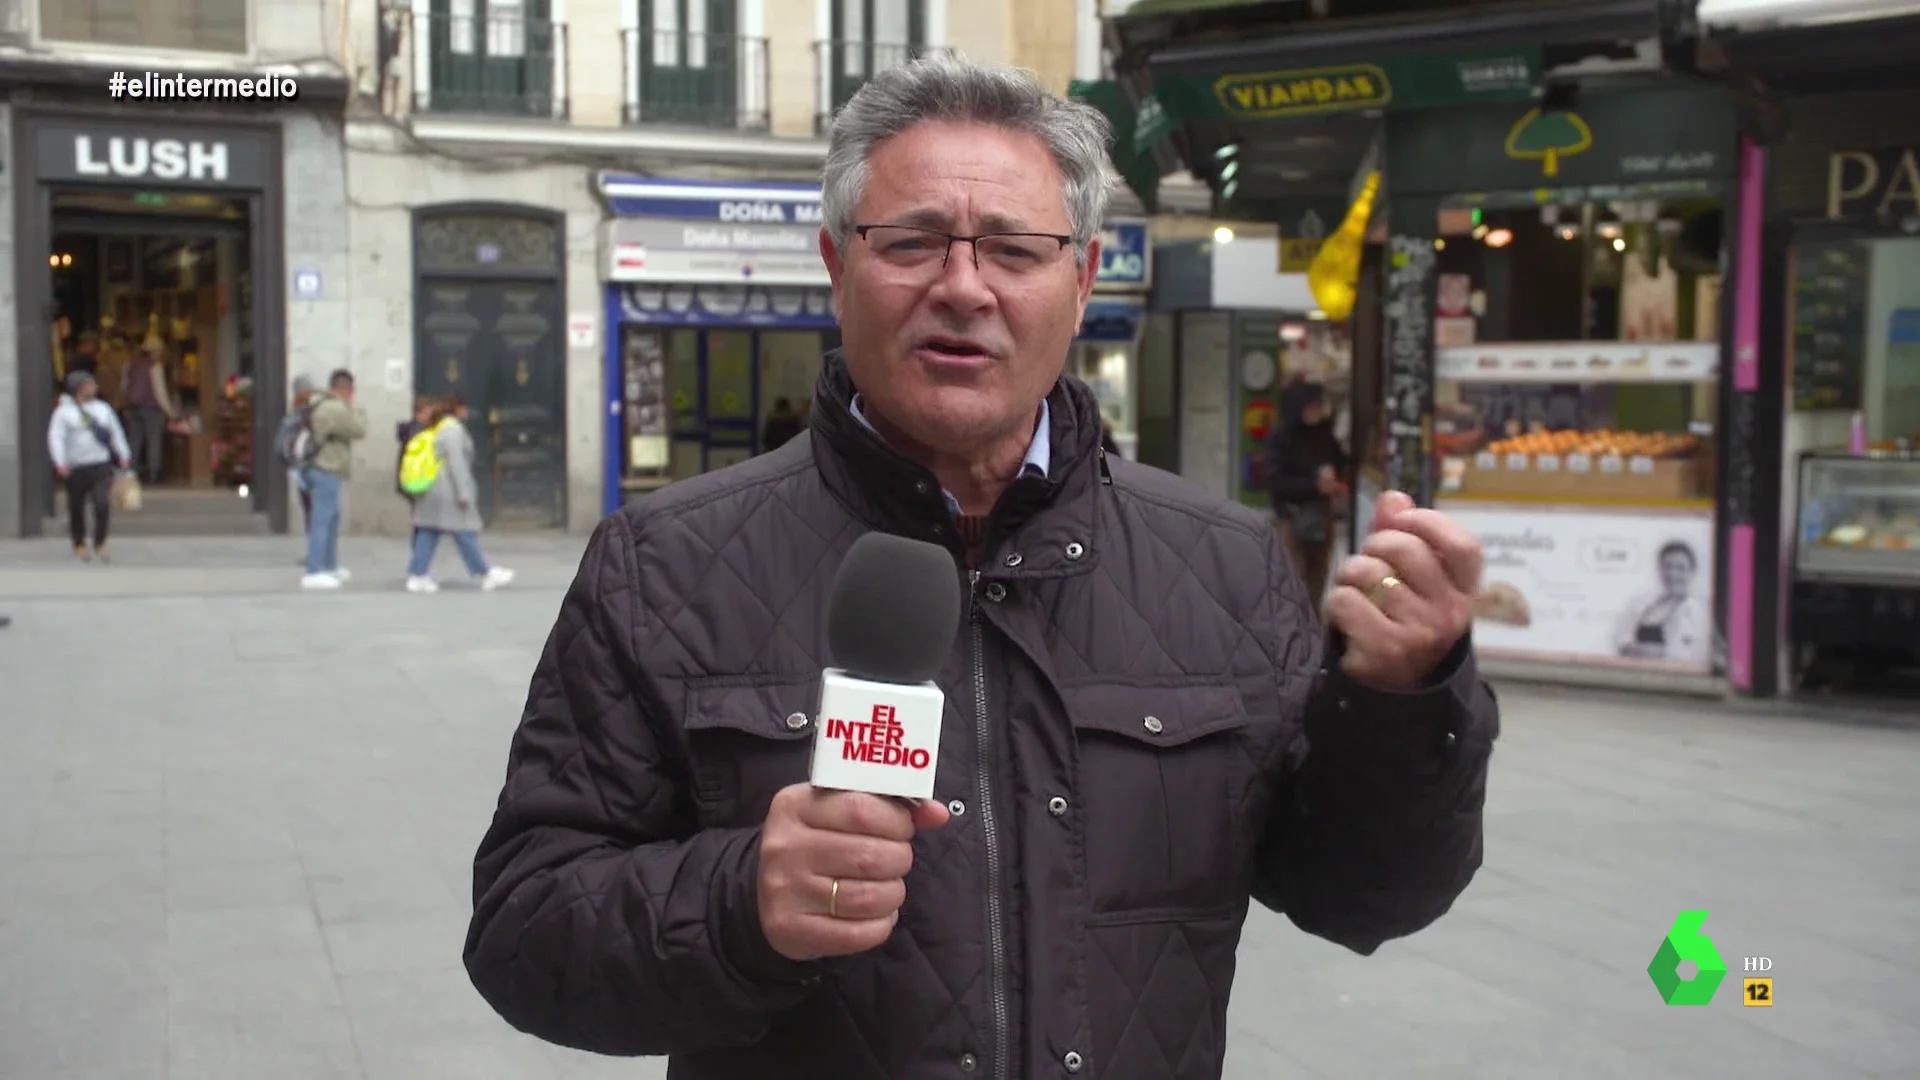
(284, 447)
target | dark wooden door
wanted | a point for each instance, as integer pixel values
(498, 345)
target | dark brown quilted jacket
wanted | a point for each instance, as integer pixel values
(1139, 738)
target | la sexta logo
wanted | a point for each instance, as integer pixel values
(877, 741)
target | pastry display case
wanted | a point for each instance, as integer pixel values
(1859, 518)
(1575, 423)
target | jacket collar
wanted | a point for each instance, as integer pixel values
(1044, 523)
(1039, 449)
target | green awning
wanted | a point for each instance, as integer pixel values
(1134, 134)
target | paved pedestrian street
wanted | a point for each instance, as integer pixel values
(236, 825)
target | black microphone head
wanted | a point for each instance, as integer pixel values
(895, 609)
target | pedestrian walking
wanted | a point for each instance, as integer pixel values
(149, 410)
(426, 412)
(1307, 469)
(1147, 728)
(451, 506)
(336, 425)
(87, 445)
(303, 397)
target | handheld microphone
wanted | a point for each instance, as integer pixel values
(891, 621)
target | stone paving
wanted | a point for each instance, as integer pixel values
(236, 823)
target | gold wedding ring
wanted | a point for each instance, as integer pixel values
(833, 900)
(1388, 582)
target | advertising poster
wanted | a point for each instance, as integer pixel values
(1595, 587)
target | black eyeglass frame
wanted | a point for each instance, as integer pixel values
(973, 242)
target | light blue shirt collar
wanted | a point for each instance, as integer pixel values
(1039, 458)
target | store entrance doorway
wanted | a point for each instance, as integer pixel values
(495, 343)
(152, 294)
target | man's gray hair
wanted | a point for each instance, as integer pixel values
(944, 88)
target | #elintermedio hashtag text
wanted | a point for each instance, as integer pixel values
(152, 84)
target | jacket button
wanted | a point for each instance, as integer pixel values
(996, 592)
(1071, 1061)
(922, 486)
(1014, 560)
(1075, 550)
(1154, 725)
(1449, 741)
(796, 721)
(968, 1063)
(1056, 806)
(956, 808)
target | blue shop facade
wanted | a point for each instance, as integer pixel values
(719, 309)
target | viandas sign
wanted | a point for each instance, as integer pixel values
(1403, 82)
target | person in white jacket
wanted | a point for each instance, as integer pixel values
(87, 445)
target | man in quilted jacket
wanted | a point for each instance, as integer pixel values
(1146, 731)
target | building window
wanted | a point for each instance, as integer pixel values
(891, 26)
(869, 36)
(194, 25)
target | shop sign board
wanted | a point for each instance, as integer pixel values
(1588, 586)
(1126, 257)
(663, 250)
(1400, 82)
(108, 152)
(731, 203)
(1638, 137)
(1870, 184)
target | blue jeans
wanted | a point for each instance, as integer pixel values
(323, 522)
(426, 542)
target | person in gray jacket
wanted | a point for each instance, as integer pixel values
(87, 444)
(451, 506)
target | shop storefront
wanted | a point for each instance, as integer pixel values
(1106, 354)
(137, 233)
(1844, 233)
(1553, 298)
(719, 308)
(1821, 498)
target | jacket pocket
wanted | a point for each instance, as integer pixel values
(746, 742)
(1163, 777)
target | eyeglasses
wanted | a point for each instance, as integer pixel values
(925, 252)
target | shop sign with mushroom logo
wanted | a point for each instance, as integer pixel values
(1547, 137)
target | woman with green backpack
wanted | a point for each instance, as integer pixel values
(436, 470)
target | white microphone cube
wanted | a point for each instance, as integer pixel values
(880, 738)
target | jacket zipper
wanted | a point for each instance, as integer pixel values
(999, 1065)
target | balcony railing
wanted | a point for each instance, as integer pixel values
(844, 66)
(697, 78)
(494, 65)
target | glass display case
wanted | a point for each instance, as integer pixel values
(1577, 423)
(1859, 518)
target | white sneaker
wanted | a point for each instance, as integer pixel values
(495, 578)
(320, 581)
(422, 583)
(345, 575)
